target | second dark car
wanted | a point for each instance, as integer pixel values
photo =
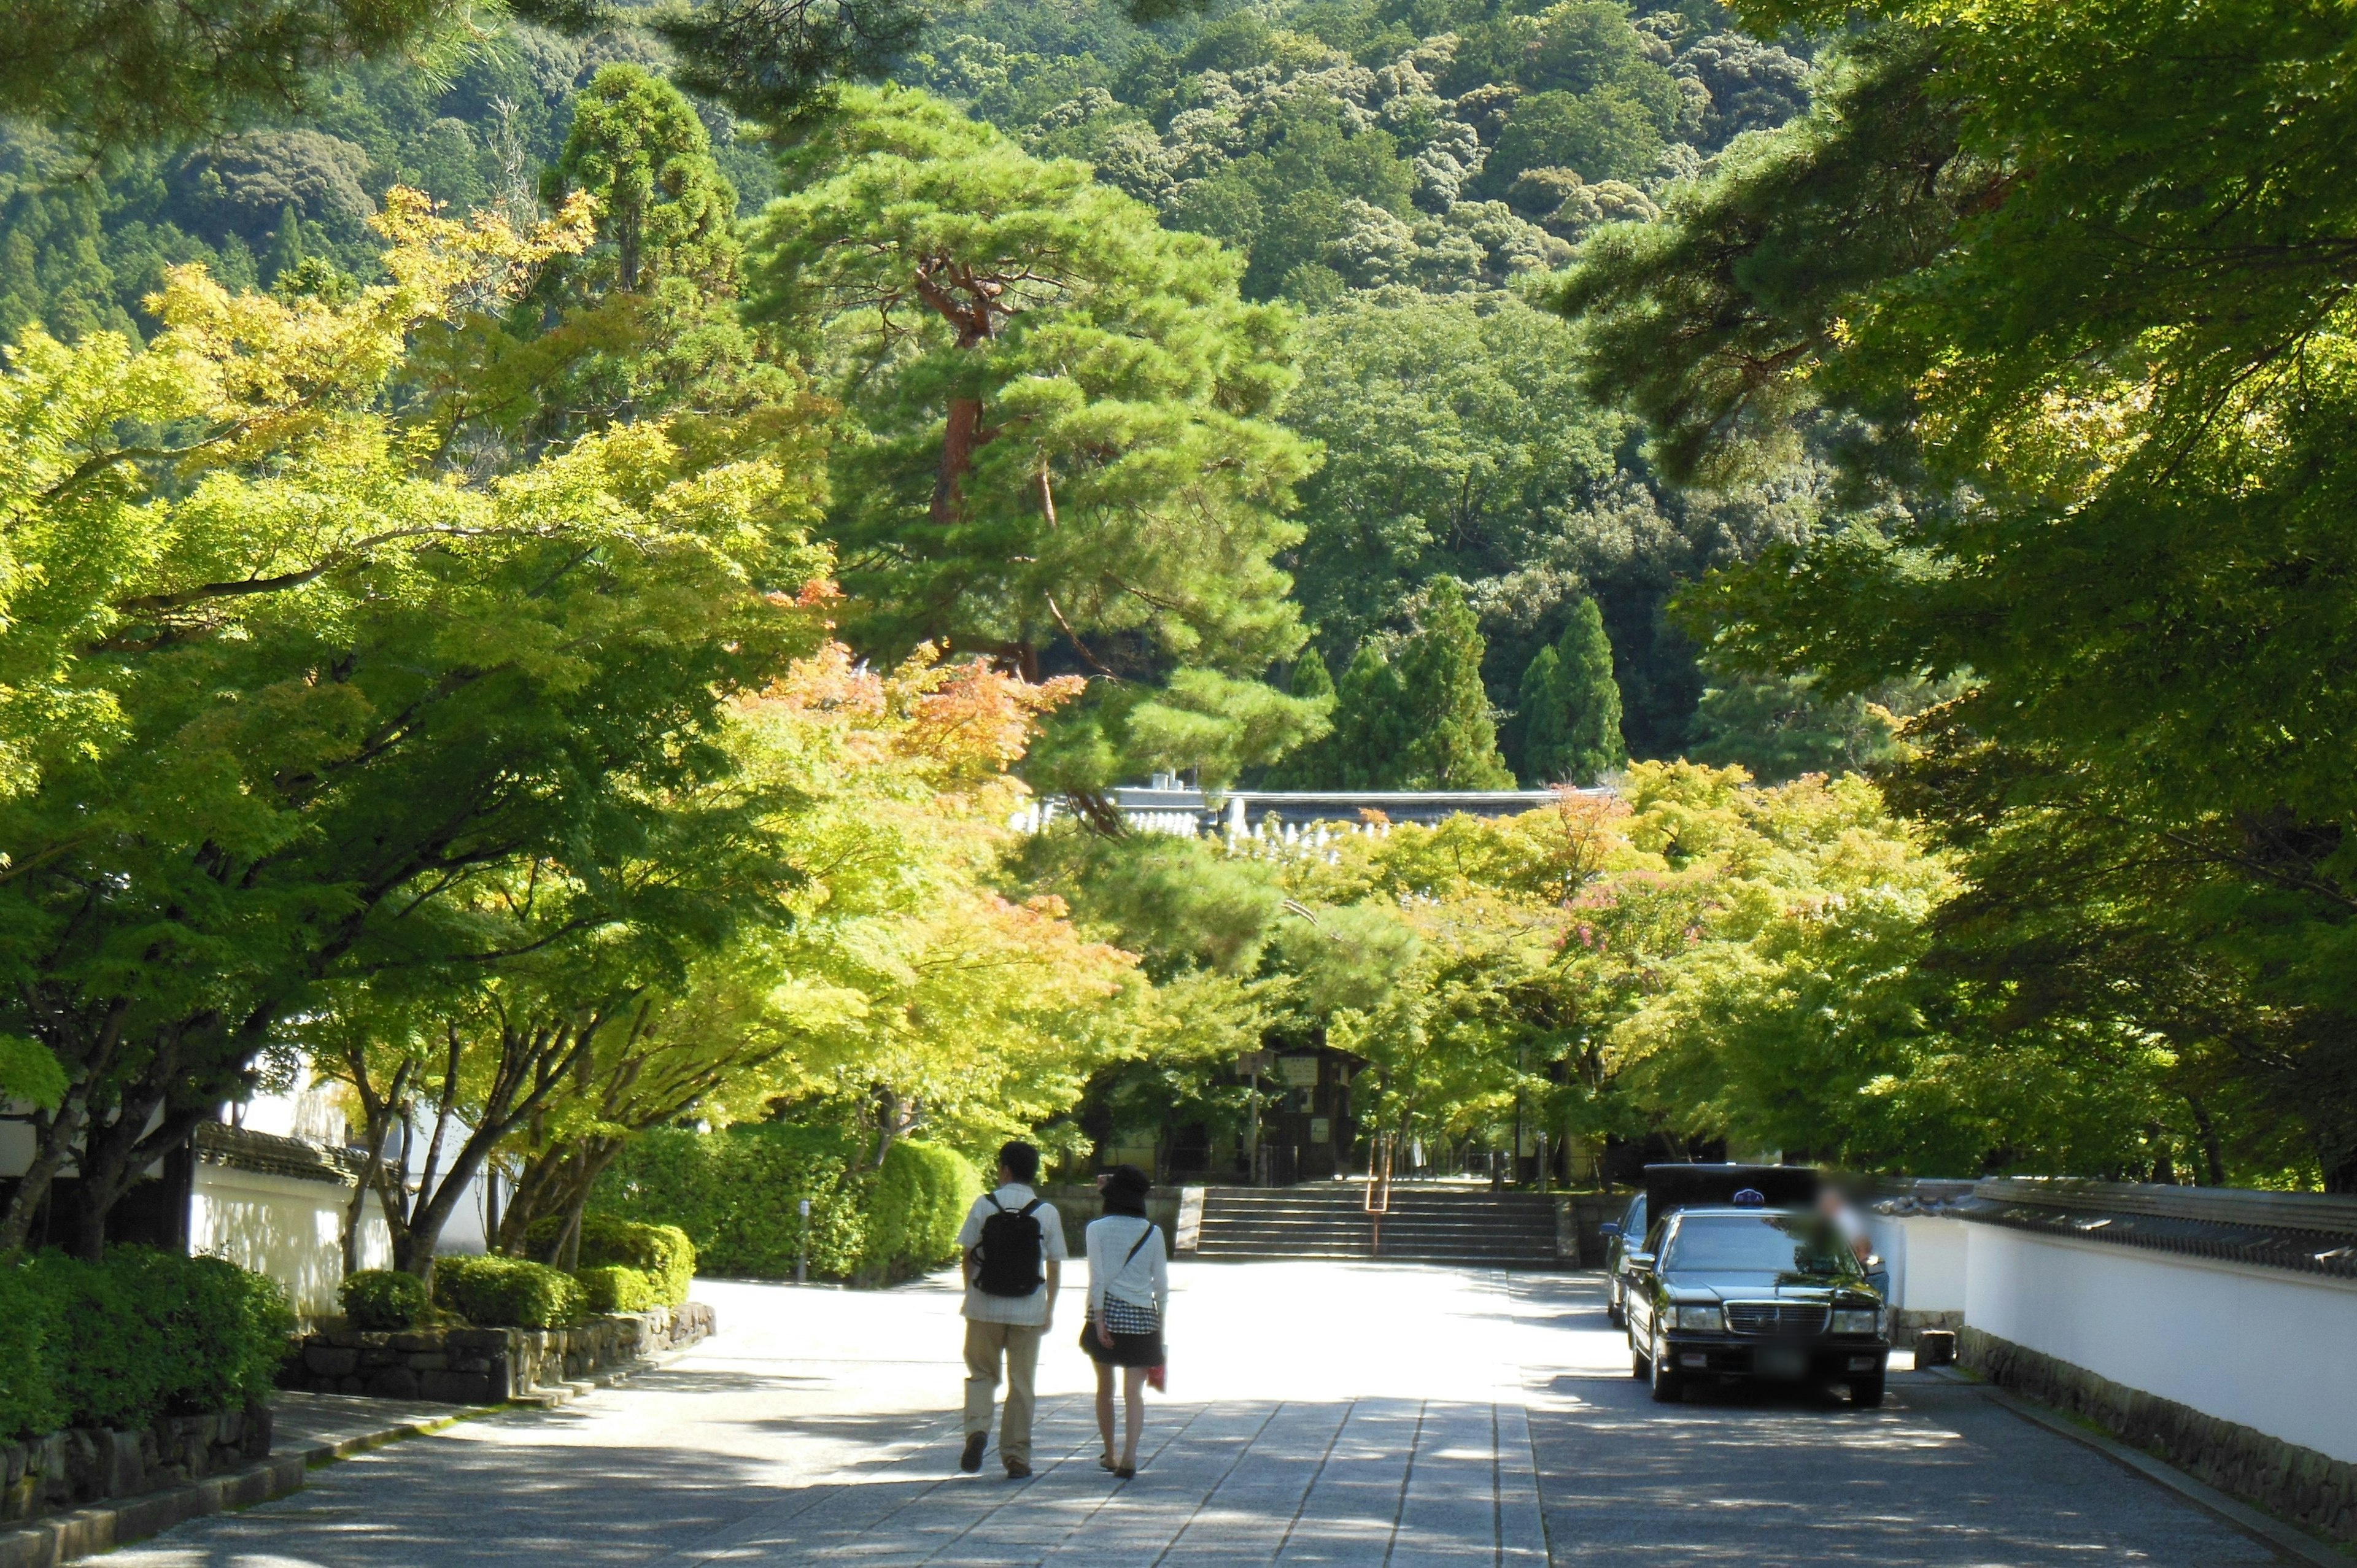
(1743, 1294)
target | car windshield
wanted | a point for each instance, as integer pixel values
(1760, 1245)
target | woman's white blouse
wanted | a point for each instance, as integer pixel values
(1143, 1280)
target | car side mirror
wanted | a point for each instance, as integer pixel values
(1640, 1260)
(1608, 1229)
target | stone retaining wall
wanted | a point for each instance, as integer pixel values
(482, 1366)
(2298, 1483)
(84, 1464)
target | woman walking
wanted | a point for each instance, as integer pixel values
(1129, 1291)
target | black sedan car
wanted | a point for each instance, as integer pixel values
(1622, 1237)
(1736, 1293)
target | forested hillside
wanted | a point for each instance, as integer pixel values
(1392, 172)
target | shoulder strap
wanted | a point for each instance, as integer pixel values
(1027, 1209)
(1144, 1237)
(992, 1198)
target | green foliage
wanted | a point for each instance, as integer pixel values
(661, 1252)
(1601, 136)
(1571, 706)
(492, 1292)
(117, 76)
(1315, 765)
(1452, 741)
(29, 1328)
(1420, 718)
(148, 1334)
(384, 1299)
(1063, 451)
(663, 207)
(2089, 372)
(735, 1192)
(1776, 729)
(616, 1287)
(916, 1203)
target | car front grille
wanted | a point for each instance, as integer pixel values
(1777, 1316)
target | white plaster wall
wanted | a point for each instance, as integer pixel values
(2274, 1351)
(1926, 1256)
(280, 1225)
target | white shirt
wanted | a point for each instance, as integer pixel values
(1031, 1310)
(1143, 1280)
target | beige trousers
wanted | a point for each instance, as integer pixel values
(984, 1343)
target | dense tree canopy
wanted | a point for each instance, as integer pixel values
(1064, 456)
(2103, 497)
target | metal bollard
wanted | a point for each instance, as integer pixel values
(801, 1246)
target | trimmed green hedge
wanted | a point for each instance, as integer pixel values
(385, 1299)
(735, 1193)
(917, 1203)
(493, 1292)
(613, 1287)
(144, 1335)
(661, 1252)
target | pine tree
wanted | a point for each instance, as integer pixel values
(1372, 725)
(1540, 716)
(1571, 706)
(1313, 764)
(1453, 743)
(286, 247)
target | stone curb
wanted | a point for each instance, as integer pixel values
(2285, 1538)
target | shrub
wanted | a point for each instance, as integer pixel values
(28, 1392)
(225, 1330)
(108, 1363)
(507, 1293)
(917, 1202)
(735, 1192)
(379, 1299)
(661, 1252)
(613, 1287)
(149, 1333)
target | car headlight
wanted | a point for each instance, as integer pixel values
(1858, 1320)
(1704, 1318)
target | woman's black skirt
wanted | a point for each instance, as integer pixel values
(1126, 1349)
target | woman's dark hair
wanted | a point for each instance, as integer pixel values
(1126, 1187)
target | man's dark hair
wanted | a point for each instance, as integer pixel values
(1021, 1160)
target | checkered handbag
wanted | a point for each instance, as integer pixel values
(1128, 1318)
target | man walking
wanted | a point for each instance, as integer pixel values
(1014, 1263)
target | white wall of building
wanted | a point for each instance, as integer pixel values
(2271, 1350)
(1926, 1255)
(285, 1227)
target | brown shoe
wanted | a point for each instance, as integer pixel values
(1016, 1470)
(970, 1460)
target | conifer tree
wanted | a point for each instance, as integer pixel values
(286, 247)
(1068, 462)
(1539, 716)
(1314, 765)
(1571, 706)
(1371, 724)
(1452, 742)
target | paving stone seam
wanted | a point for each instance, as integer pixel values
(1115, 1486)
(1309, 1490)
(1211, 1491)
(1408, 1474)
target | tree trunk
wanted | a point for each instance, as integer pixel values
(960, 434)
(56, 1142)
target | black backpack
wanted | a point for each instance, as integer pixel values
(1010, 1251)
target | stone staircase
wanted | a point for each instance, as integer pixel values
(1435, 1224)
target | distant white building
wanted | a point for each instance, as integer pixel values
(1164, 805)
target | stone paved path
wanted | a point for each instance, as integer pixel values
(1324, 1414)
